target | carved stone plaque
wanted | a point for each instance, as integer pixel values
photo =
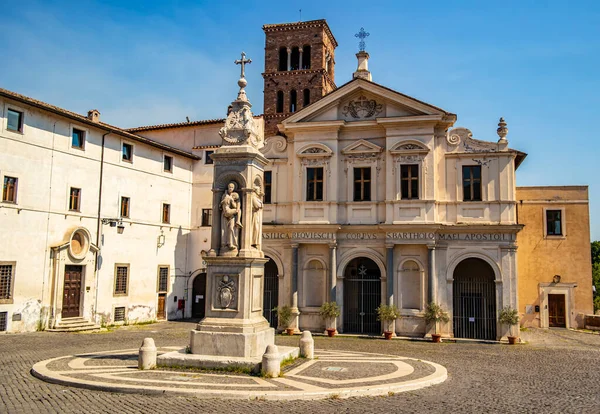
(226, 291)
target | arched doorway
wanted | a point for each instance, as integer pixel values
(270, 292)
(362, 296)
(199, 296)
(474, 292)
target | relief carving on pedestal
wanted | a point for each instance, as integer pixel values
(226, 290)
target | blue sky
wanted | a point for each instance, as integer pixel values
(149, 62)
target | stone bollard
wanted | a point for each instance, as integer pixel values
(307, 345)
(271, 362)
(147, 357)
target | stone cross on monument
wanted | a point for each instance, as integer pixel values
(234, 325)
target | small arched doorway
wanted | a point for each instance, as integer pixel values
(199, 296)
(362, 296)
(270, 292)
(474, 292)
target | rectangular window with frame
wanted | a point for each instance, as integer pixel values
(119, 315)
(471, 182)
(554, 223)
(125, 207)
(121, 279)
(268, 186)
(163, 279)
(362, 184)
(207, 157)
(3, 321)
(6, 283)
(77, 138)
(127, 152)
(206, 217)
(166, 213)
(314, 184)
(409, 182)
(74, 199)
(168, 163)
(9, 189)
(15, 120)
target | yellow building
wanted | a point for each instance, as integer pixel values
(554, 265)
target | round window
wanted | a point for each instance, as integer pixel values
(79, 245)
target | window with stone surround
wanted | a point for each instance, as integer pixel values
(6, 282)
(554, 223)
(314, 184)
(74, 199)
(121, 279)
(268, 186)
(471, 182)
(15, 120)
(362, 184)
(206, 217)
(409, 182)
(77, 138)
(167, 163)
(119, 314)
(9, 189)
(127, 152)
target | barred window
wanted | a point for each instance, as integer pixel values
(119, 314)
(121, 279)
(163, 278)
(6, 281)
(3, 319)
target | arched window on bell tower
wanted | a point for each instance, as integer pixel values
(282, 59)
(306, 98)
(306, 57)
(295, 58)
(279, 108)
(293, 100)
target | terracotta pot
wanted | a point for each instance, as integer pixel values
(512, 340)
(290, 331)
(330, 332)
(436, 338)
(388, 334)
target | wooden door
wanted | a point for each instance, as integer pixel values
(556, 311)
(72, 291)
(160, 309)
(199, 296)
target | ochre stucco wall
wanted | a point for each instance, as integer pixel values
(541, 257)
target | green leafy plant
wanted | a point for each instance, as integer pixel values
(387, 313)
(329, 310)
(284, 314)
(435, 313)
(508, 316)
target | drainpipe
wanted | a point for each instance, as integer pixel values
(48, 222)
(99, 219)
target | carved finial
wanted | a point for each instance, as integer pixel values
(502, 130)
(362, 35)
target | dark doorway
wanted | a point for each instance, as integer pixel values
(271, 292)
(556, 311)
(199, 296)
(72, 291)
(474, 291)
(161, 309)
(362, 296)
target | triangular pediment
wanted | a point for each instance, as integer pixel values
(362, 100)
(362, 147)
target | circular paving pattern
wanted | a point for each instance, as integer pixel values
(332, 374)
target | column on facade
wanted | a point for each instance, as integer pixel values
(300, 58)
(295, 276)
(332, 272)
(289, 59)
(390, 274)
(430, 273)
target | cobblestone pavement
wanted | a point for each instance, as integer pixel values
(557, 372)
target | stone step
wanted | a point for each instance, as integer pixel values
(73, 321)
(78, 328)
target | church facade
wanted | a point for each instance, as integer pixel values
(370, 197)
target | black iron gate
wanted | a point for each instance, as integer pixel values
(270, 292)
(474, 291)
(362, 296)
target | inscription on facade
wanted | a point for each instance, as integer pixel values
(417, 236)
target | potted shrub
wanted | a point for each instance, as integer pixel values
(435, 313)
(510, 317)
(388, 315)
(329, 312)
(284, 315)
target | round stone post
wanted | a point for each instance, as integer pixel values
(307, 345)
(271, 362)
(147, 357)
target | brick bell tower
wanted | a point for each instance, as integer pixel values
(299, 68)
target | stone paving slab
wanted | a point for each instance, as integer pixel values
(332, 374)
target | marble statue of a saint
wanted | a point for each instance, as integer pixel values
(231, 220)
(257, 206)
